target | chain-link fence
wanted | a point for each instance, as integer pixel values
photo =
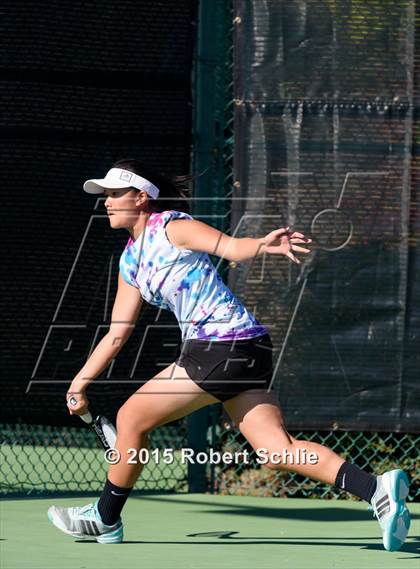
(373, 452)
(38, 459)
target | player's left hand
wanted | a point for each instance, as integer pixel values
(283, 242)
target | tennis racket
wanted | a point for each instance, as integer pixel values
(104, 429)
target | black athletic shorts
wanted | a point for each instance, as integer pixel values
(226, 368)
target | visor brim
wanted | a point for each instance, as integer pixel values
(98, 186)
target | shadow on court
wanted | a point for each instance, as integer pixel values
(230, 538)
(305, 513)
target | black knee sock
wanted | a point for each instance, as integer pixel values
(111, 502)
(355, 480)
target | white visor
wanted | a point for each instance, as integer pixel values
(118, 178)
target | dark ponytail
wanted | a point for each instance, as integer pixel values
(173, 191)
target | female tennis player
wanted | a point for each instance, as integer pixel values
(225, 355)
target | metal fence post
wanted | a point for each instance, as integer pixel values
(210, 84)
(197, 424)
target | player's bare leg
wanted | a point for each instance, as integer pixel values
(170, 395)
(259, 418)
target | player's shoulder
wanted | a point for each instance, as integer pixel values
(175, 232)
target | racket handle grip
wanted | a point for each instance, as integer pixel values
(87, 417)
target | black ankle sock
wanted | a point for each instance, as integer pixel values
(110, 504)
(355, 480)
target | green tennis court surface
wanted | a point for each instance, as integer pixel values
(200, 531)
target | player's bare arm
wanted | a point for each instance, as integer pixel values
(198, 236)
(127, 305)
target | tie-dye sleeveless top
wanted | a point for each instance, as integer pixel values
(185, 282)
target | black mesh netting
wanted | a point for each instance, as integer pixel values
(326, 140)
(82, 84)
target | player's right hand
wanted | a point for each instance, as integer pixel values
(82, 403)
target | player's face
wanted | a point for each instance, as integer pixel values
(123, 207)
